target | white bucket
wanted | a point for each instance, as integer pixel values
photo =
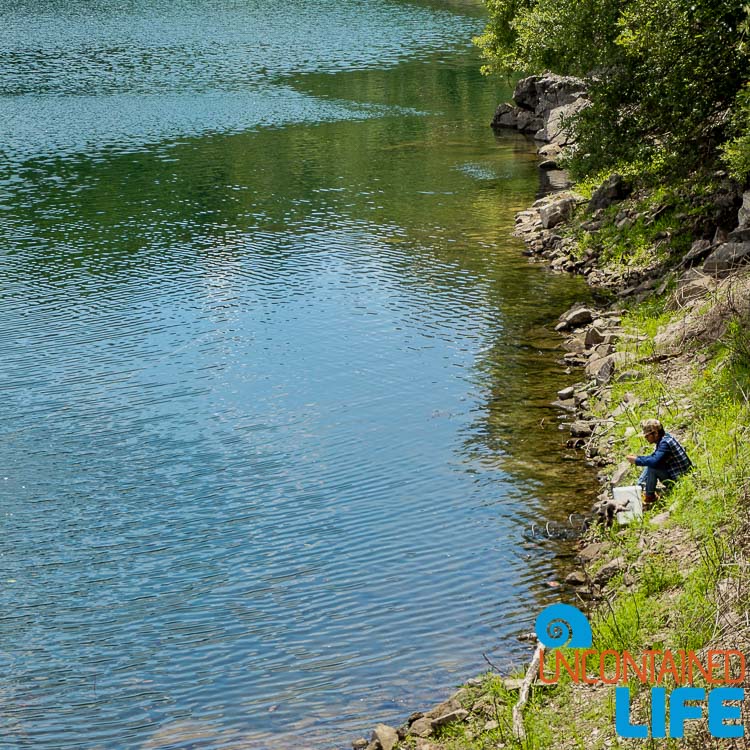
(630, 498)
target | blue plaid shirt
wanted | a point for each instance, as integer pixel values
(668, 456)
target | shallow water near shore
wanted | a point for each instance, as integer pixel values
(276, 378)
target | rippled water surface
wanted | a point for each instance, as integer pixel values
(275, 378)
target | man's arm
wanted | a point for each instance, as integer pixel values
(655, 458)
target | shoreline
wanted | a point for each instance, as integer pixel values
(635, 362)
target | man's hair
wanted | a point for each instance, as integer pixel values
(650, 426)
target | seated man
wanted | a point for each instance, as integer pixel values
(668, 462)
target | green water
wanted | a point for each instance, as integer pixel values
(276, 378)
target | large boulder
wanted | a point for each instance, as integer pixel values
(557, 123)
(506, 116)
(726, 258)
(543, 93)
(557, 211)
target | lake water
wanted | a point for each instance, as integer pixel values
(275, 377)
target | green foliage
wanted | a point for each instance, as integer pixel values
(661, 75)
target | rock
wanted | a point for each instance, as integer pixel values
(557, 123)
(567, 405)
(423, 744)
(692, 286)
(602, 368)
(549, 151)
(591, 551)
(452, 704)
(386, 736)
(459, 714)
(548, 164)
(574, 318)
(615, 188)
(593, 337)
(621, 471)
(743, 215)
(421, 727)
(511, 684)
(602, 350)
(726, 258)
(556, 212)
(546, 92)
(609, 571)
(628, 375)
(506, 116)
(576, 578)
(581, 429)
(566, 393)
(698, 251)
(528, 122)
(360, 744)
(490, 726)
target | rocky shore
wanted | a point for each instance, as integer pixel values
(696, 256)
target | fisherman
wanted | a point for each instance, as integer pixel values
(668, 462)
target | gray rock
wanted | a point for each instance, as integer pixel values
(692, 286)
(602, 368)
(726, 258)
(556, 212)
(543, 93)
(528, 122)
(615, 188)
(506, 116)
(576, 578)
(566, 393)
(591, 551)
(741, 234)
(421, 727)
(593, 337)
(575, 345)
(743, 214)
(581, 429)
(557, 125)
(698, 251)
(360, 744)
(661, 519)
(512, 683)
(574, 318)
(567, 405)
(628, 375)
(460, 714)
(386, 736)
(606, 573)
(549, 151)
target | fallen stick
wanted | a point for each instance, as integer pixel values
(523, 695)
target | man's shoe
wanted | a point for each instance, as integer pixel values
(648, 500)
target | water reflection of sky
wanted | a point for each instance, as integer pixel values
(271, 395)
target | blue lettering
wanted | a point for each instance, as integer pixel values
(718, 712)
(623, 727)
(679, 712)
(658, 712)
